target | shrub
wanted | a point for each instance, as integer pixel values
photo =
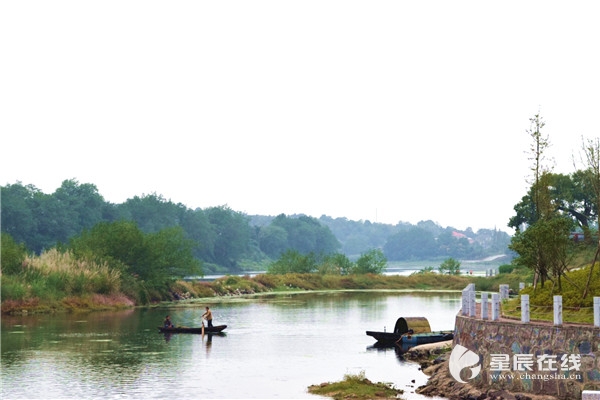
(505, 269)
(12, 289)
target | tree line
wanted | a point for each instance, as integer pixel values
(222, 239)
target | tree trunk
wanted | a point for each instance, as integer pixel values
(587, 284)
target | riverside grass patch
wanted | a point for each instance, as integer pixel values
(56, 275)
(356, 386)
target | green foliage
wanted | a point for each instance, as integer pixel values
(425, 270)
(506, 269)
(450, 266)
(355, 386)
(12, 254)
(576, 308)
(55, 275)
(224, 241)
(371, 262)
(292, 261)
(336, 264)
(303, 234)
(544, 247)
(154, 257)
(13, 288)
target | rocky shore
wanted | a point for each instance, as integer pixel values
(433, 359)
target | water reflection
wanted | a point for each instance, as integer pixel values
(274, 347)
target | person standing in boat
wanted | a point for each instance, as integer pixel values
(168, 323)
(208, 316)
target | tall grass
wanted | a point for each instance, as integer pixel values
(55, 274)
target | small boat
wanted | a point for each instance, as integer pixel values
(184, 329)
(411, 331)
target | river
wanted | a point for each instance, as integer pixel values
(274, 347)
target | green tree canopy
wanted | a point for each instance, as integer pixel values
(153, 257)
(370, 262)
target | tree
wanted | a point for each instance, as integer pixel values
(530, 244)
(540, 143)
(170, 255)
(591, 150)
(19, 218)
(152, 212)
(306, 234)
(544, 248)
(273, 240)
(371, 262)
(336, 264)
(292, 261)
(154, 257)
(12, 254)
(232, 235)
(450, 266)
(415, 243)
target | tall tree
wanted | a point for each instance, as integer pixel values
(591, 151)
(540, 193)
(232, 235)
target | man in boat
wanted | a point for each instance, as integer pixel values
(208, 316)
(168, 323)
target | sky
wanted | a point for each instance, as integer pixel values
(384, 111)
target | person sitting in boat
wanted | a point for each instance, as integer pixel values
(168, 323)
(208, 316)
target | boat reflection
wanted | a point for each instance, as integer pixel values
(399, 350)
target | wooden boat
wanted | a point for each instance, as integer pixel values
(412, 339)
(411, 331)
(184, 329)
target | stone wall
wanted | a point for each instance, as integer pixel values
(537, 344)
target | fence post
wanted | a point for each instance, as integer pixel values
(504, 292)
(495, 306)
(558, 310)
(484, 305)
(472, 304)
(597, 311)
(525, 308)
(590, 395)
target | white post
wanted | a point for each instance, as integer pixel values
(525, 308)
(465, 296)
(521, 286)
(590, 395)
(495, 306)
(504, 292)
(472, 303)
(597, 311)
(484, 305)
(558, 311)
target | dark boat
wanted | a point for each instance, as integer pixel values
(183, 329)
(411, 331)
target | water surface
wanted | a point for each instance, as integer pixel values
(274, 347)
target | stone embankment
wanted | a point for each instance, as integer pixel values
(433, 359)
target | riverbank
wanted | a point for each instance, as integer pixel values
(434, 361)
(49, 300)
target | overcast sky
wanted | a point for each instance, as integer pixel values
(385, 111)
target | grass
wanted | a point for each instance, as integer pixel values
(57, 281)
(576, 309)
(356, 387)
